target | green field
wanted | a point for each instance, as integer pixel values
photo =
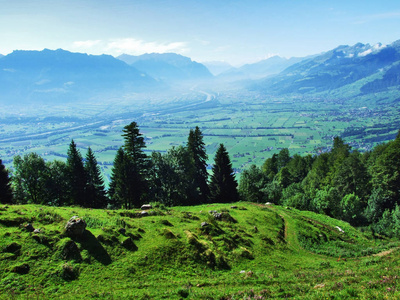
(251, 127)
(250, 251)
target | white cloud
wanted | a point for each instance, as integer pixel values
(137, 47)
(85, 44)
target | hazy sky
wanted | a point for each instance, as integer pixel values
(235, 31)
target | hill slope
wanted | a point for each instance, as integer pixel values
(243, 250)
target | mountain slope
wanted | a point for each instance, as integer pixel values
(61, 75)
(339, 67)
(168, 66)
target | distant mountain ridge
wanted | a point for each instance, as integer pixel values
(53, 75)
(377, 65)
(264, 68)
(168, 66)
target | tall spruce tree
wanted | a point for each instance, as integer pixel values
(223, 185)
(197, 150)
(77, 176)
(131, 168)
(5, 185)
(95, 193)
(118, 191)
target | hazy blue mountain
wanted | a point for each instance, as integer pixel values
(344, 65)
(261, 69)
(59, 75)
(217, 67)
(168, 66)
(269, 66)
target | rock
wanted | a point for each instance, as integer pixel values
(234, 207)
(21, 269)
(29, 227)
(70, 251)
(75, 226)
(37, 230)
(217, 216)
(146, 206)
(268, 203)
(144, 213)
(204, 224)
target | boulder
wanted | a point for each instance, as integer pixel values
(146, 206)
(75, 227)
(204, 224)
(144, 213)
(69, 250)
(29, 227)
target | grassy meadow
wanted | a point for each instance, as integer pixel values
(245, 251)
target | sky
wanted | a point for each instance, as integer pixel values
(233, 31)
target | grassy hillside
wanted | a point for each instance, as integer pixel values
(246, 251)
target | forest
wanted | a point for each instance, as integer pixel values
(360, 188)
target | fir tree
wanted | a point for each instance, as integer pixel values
(137, 164)
(119, 191)
(197, 150)
(5, 185)
(95, 193)
(77, 176)
(129, 185)
(223, 185)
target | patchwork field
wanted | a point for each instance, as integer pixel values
(252, 128)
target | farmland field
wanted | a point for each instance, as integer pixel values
(251, 127)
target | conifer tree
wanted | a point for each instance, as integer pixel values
(77, 176)
(137, 162)
(95, 193)
(197, 150)
(118, 191)
(223, 185)
(5, 185)
(129, 185)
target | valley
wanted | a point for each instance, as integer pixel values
(252, 126)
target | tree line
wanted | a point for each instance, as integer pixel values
(178, 177)
(362, 189)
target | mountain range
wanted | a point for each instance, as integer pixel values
(367, 68)
(59, 75)
(263, 68)
(168, 67)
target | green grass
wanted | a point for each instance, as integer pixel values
(250, 251)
